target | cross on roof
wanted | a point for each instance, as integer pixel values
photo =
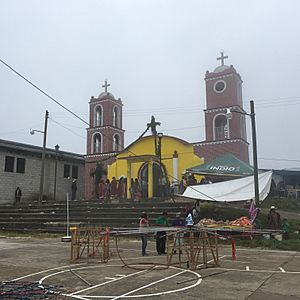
(105, 86)
(153, 124)
(222, 58)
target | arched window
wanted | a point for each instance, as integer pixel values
(221, 128)
(116, 143)
(98, 116)
(115, 117)
(97, 143)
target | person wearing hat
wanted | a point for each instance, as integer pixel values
(274, 220)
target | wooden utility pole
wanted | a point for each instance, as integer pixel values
(43, 157)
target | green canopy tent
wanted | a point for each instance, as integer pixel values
(226, 166)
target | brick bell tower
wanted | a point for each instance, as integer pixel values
(223, 135)
(105, 135)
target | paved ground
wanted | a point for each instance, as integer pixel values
(256, 274)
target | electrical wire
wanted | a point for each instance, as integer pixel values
(61, 105)
(67, 128)
(40, 90)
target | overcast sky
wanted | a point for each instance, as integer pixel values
(155, 55)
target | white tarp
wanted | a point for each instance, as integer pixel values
(241, 189)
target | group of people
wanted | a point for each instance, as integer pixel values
(161, 235)
(108, 190)
(275, 222)
(117, 189)
(188, 180)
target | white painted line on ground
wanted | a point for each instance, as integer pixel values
(110, 278)
(120, 275)
(259, 271)
(282, 270)
(105, 283)
(239, 261)
(247, 268)
(148, 285)
(143, 295)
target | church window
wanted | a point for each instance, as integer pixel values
(97, 143)
(116, 143)
(220, 128)
(115, 117)
(219, 86)
(98, 116)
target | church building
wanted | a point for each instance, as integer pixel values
(154, 157)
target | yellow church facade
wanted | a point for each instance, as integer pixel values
(153, 160)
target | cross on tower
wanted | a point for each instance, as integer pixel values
(105, 86)
(222, 58)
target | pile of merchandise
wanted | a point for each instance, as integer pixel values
(240, 222)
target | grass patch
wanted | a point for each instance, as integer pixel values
(29, 234)
(287, 204)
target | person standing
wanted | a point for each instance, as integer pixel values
(274, 220)
(113, 188)
(101, 190)
(107, 190)
(138, 190)
(143, 226)
(178, 237)
(18, 195)
(73, 189)
(161, 237)
(132, 189)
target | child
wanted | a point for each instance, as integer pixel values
(286, 229)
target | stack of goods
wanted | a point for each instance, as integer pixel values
(240, 222)
(210, 223)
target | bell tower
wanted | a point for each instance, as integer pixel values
(105, 135)
(223, 93)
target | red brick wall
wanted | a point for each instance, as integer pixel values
(211, 150)
(107, 129)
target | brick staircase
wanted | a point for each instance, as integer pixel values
(51, 216)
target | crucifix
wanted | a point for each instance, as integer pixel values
(153, 125)
(222, 58)
(105, 86)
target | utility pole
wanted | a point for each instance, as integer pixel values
(55, 171)
(43, 158)
(254, 148)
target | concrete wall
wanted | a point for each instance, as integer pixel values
(29, 181)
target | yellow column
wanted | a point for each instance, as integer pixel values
(128, 178)
(150, 178)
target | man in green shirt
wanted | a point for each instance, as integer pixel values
(161, 221)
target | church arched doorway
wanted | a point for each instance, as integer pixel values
(158, 173)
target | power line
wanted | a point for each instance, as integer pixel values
(56, 101)
(40, 90)
(66, 128)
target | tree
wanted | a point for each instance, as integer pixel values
(97, 174)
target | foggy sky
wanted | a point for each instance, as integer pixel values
(155, 55)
